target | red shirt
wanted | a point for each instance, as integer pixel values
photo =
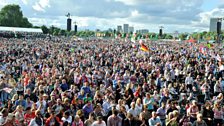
(28, 117)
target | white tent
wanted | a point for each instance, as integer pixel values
(17, 29)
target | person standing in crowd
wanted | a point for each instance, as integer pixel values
(207, 113)
(199, 121)
(189, 82)
(99, 122)
(38, 120)
(218, 114)
(74, 82)
(154, 120)
(193, 111)
(161, 113)
(88, 108)
(90, 120)
(53, 120)
(114, 120)
(3, 116)
(130, 120)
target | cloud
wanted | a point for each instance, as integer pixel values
(174, 15)
(25, 2)
(3, 3)
(41, 5)
(37, 7)
(205, 17)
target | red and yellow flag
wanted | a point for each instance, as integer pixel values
(144, 48)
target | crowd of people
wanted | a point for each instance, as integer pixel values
(110, 83)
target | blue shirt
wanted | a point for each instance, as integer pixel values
(87, 109)
(150, 105)
(64, 87)
(86, 90)
(22, 103)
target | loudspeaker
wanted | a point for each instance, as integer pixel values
(160, 32)
(76, 28)
(219, 24)
(69, 24)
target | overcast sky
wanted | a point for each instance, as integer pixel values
(173, 15)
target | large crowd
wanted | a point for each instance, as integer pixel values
(110, 83)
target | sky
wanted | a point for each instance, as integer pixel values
(173, 15)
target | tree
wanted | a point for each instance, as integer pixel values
(12, 16)
(183, 36)
(168, 36)
(45, 29)
(62, 32)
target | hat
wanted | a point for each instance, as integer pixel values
(194, 101)
(98, 105)
(45, 95)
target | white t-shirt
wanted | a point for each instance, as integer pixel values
(96, 124)
(69, 119)
(133, 112)
(2, 120)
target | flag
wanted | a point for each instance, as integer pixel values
(133, 38)
(133, 45)
(156, 36)
(14, 33)
(218, 57)
(8, 90)
(127, 35)
(144, 48)
(188, 37)
(153, 49)
(209, 45)
(123, 35)
(203, 50)
(140, 41)
(115, 35)
(72, 50)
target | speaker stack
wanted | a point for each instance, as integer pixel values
(69, 24)
(160, 32)
(76, 27)
(219, 25)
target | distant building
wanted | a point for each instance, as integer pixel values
(126, 27)
(142, 31)
(119, 28)
(130, 29)
(213, 24)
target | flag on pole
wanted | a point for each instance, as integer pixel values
(14, 33)
(218, 57)
(72, 50)
(127, 35)
(140, 41)
(133, 38)
(144, 48)
(203, 50)
(209, 45)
